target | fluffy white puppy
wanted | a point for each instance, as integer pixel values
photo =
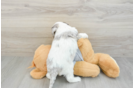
(62, 53)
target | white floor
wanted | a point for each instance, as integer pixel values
(14, 74)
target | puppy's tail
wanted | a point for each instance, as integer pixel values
(53, 75)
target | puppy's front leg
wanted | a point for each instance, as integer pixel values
(70, 76)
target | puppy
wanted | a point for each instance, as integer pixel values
(62, 53)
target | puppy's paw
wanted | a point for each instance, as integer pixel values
(82, 35)
(77, 79)
(48, 75)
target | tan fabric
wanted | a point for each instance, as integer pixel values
(105, 62)
(87, 68)
(108, 65)
(37, 73)
(39, 61)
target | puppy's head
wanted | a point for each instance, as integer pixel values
(62, 29)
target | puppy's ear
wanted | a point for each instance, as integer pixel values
(65, 23)
(54, 29)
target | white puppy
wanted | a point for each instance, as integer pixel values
(62, 53)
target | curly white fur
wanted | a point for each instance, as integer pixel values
(82, 35)
(62, 53)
